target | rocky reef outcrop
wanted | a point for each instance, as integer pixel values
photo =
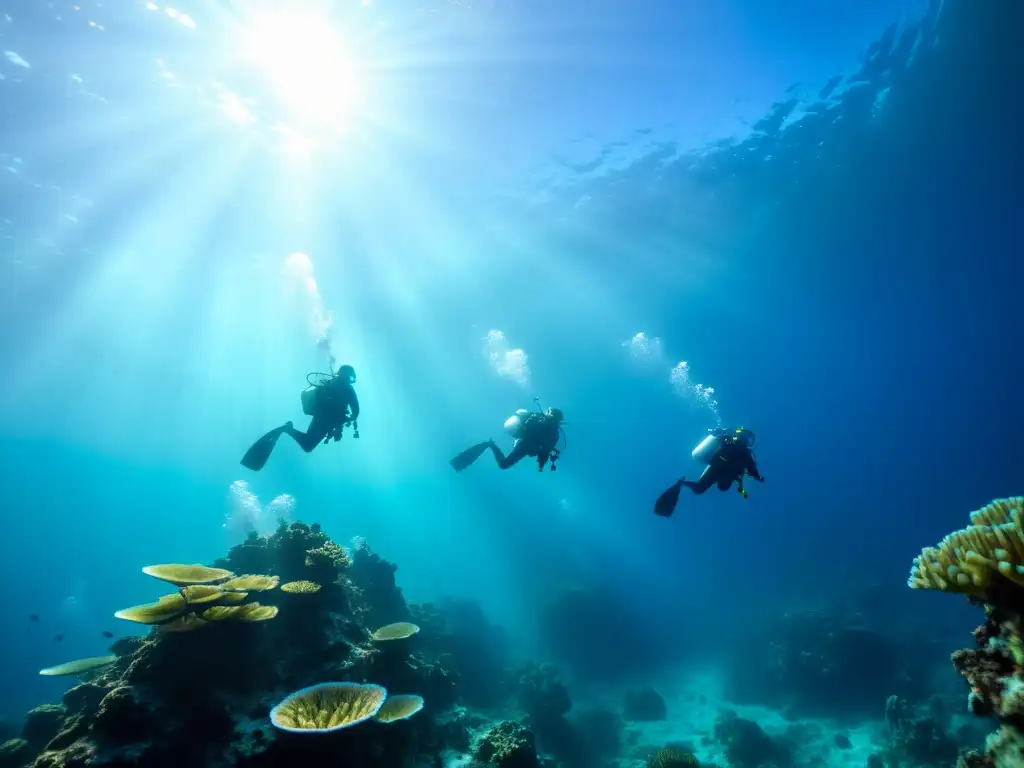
(199, 689)
(985, 563)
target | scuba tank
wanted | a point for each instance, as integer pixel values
(315, 382)
(707, 449)
(308, 396)
(514, 424)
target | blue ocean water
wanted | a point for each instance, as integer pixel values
(802, 218)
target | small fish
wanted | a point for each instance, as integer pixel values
(58, 638)
(108, 634)
(33, 617)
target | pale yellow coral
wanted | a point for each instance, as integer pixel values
(201, 593)
(300, 587)
(182, 575)
(78, 666)
(329, 553)
(164, 609)
(185, 623)
(398, 631)
(400, 707)
(965, 561)
(257, 612)
(250, 583)
(328, 707)
(222, 612)
(247, 612)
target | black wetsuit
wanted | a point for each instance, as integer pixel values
(733, 460)
(540, 436)
(336, 405)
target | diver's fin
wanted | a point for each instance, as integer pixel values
(666, 503)
(468, 456)
(256, 457)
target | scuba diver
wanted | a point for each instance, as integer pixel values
(536, 434)
(330, 399)
(729, 457)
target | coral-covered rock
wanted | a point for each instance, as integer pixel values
(970, 758)
(916, 740)
(14, 753)
(475, 650)
(42, 724)
(122, 718)
(375, 594)
(746, 745)
(508, 745)
(204, 697)
(984, 669)
(84, 698)
(644, 705)
(542, 694)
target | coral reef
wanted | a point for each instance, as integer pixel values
(177, 698)
(985, 562)
(377, 599)
(915, 740)
(542, 694)
(508, 744)
(474, 649)
(673, 757)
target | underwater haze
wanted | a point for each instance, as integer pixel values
(660, 217)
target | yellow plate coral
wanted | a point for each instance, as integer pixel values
(400, 707)
(247, 612)
(300, 587)
(257, 612)
(222, 612)
(78, 666)
(183, 575)
(164, 609)
(185, 623)
(250, 582)
(201, 593)
(400, 630)
(229, 598)
(328, 707)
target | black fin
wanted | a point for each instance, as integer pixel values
(468, 456)
(666, 503)
(256, 457)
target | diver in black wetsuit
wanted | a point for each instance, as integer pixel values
(729, 459)
(536, 434)
(332, 404)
